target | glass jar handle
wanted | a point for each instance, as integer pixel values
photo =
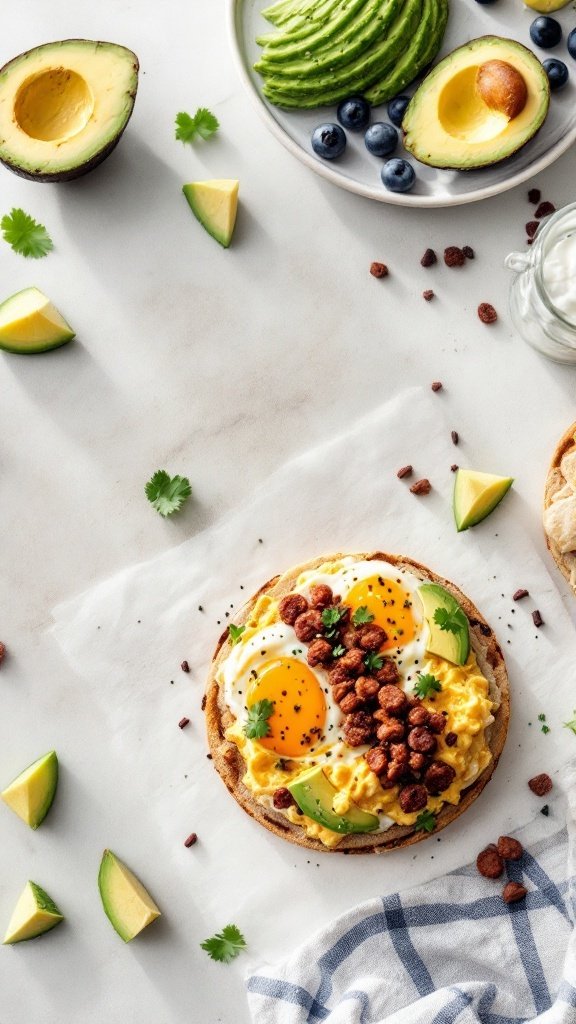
(518, 262)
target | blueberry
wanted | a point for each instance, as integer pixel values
(571, 42)
(397, 108)
(398, 175)
(328, 141)
(557, 73)
(354, 113)
(381, 139)
(484, 1)
(545, 32)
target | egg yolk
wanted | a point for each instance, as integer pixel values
(391, 606)
(297, 721)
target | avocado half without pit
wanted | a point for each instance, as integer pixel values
(478, 106)
(64, 106)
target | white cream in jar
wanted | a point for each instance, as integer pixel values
(559, 266)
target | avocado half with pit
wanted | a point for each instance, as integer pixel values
(64, 106)
(478, 106)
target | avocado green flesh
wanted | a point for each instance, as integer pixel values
(298, 27)
(127, 904)
(431, 135)
(425, 46)
(285, 10)
(373, 48)
(341, 42)
(95, 86)
(476, 495)
(335, 20)
(373, 65)
(453, 647)
(314, 794)
(350, 45)
(32, 793)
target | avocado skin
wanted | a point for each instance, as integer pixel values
(88, 165)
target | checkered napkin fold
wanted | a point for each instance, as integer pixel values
(448, 951)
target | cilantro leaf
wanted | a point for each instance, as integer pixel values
(373, 661)
(425, 822)
(235, 632)
(338, 651)
(362, 616)
(203, 124)
(426, 684)
(167, 494)
(257, 724)
(572, 724)
(225, 945)
(25, 235)
(330, 619)
(447, 620)
(545, 729)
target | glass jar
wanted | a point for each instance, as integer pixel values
(543, 292)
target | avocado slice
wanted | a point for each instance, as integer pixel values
(423, 48)
(476, 496)
(64, 106)
(340, 42)
(314, 794)
(29, 323)
(215, 204)
(448, 124)
(32, 793)
(34, 914)
(126, 902)
(451, 644)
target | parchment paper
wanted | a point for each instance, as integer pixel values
(127, 637)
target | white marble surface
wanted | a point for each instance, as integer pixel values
(219, 365)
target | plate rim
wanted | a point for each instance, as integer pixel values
(357, 188)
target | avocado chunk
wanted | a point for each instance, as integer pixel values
(449, 124)
(64, 106)
(314, 794)
(34, 914)
(215, 204)
(476, 496)
(448, 631)
(126, 902)
(29, 323)
(32, 793)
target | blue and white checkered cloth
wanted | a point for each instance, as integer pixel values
(448, 951)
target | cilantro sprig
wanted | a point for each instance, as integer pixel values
(425, 822)
(373, 661)
(26, 236)
(167, 494)
(427, 684)
(362, 616)
(572, 724)
(235, 632)
(225, 945)
(257, 725)
(204, 124)
(330, 620)
(447, 620)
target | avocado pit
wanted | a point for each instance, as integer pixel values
(55, 104)
(502, 87)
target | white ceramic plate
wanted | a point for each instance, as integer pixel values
(359, 172)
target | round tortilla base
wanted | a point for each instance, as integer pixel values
(230, 764)
(554, 481)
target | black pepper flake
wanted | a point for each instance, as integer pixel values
(545, 810)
